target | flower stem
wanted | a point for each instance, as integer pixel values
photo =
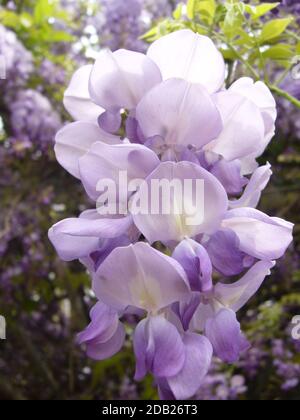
(285, 95)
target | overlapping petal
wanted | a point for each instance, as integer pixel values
(261, 95)
(224, 251)
(241, 136)
(120, 79)
(105, 162)
(198, 358)
(144, 278)
(77, 100)
(253, 190)
(196, 262)
(179, 112)
(74, 140)
(76, 238)
(105, 335)
(261, 236)
(230, 175)
(179, 214)
(224, 333)
(158, 348)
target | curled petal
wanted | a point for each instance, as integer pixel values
(260, 94)
(198, 359)
(105, 162)
(78, 237)
(77, 99)
(74, 140)
(190, 56)
(196, 262)
(224, 250)
(101, 351)
(179, 112)
(224, 333)
(253, 190)
(261, 236)
(202, 314)
(104, 323)
(241, 135)
(120, 79)
(181, 208)
(141, 277)
(158, 348)
(236, 295)
(110, 122)
(229, 174)
(184, 311)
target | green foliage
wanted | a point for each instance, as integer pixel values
(35, 25)
(251, 39)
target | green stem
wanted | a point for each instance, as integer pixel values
(293, 35)
(256, 75)
(285, 95)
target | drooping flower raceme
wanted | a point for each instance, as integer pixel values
(168, 155)
(33, 119)
(18, 62)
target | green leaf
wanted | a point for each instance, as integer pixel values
(43, 10)
(150, 35)
(177, 14)
(9, 19)
(191, 9)
(279, 52)
(206, 10)
(258, 11)
(274, 29)
(26, 20)
(234, 19)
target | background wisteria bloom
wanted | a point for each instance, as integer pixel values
(166, 308)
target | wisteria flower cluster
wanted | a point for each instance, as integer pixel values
(121, 24)
(33, 119)
(18, 61)
(167, 116)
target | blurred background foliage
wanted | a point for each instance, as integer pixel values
(45, 301)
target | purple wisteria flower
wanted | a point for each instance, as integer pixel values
(17, 59)
(120, 24)
(156, 119)
(33, 119)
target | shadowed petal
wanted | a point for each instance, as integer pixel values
(158, 348)
(199, 353)
(224, 333)
(102, 351)
(224, 250)
(196, 263)
(104, 323)
(229, 174)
